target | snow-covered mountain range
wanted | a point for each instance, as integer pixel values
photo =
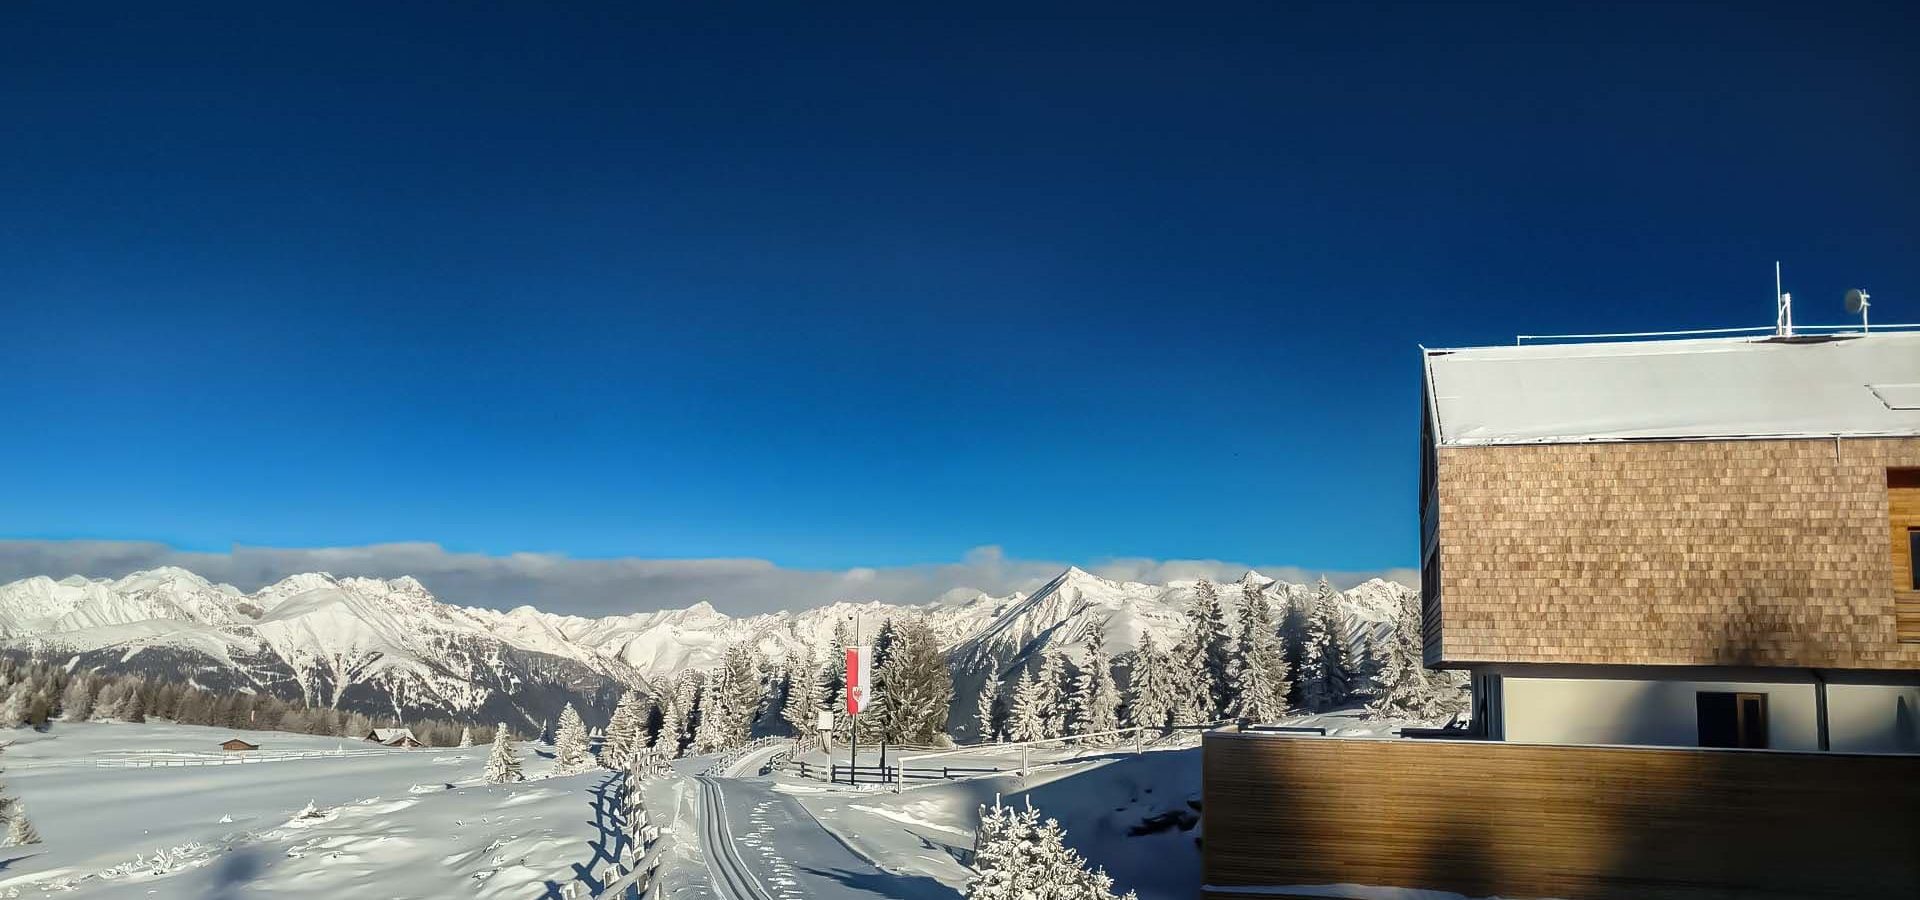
(390, 648)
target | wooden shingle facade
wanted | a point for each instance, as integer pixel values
(1678, 553)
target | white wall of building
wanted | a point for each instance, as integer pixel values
(1655, 711)
(1873, 718)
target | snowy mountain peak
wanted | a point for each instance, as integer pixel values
(1255, 578)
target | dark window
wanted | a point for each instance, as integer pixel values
(1913, 556)
(1732, 720)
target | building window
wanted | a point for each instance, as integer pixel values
(1732, 720)
(1913, 553)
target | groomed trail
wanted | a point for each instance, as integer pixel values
(761, 844)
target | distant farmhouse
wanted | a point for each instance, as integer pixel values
(1682, 576)
(394, 737)
(235, 745)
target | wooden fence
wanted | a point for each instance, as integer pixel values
(878, 774)
(1486, 818)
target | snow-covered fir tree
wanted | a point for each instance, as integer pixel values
(1324, 668)
(570, 751)
(466, 738)
(833, 670)
(77, 703)
(802, 709)
(986, 709)
(19, 829)
(1404, 688)
(1017, 856)
(1152, 694)
(1260, 679)
(879, 715)
(1096, 700)
(623, 735)
(1024, 719)
(743, 693)
(919, 694)
(1052, 697)
(1204, 657)
(686, 711)
(710, 733)
(503, 764)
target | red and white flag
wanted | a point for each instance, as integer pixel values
(859, 678)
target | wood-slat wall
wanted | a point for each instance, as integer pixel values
(1582, 823)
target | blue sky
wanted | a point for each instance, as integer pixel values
(874, 290)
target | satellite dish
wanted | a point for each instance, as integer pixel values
(1857, 303)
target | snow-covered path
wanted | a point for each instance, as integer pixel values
(761, 844)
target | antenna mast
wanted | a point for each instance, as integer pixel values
(1783, 306)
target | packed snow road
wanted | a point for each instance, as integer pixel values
(761, 844)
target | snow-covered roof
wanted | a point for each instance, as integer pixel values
(1849, 385)
(389, 735)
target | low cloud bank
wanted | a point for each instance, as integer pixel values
(597, 587)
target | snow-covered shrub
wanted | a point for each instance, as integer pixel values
(1017, 856)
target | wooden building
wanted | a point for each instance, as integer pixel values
(1688, 542)
(1682, 576)
(235, 745)
(395, 737)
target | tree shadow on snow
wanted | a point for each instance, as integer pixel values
(893, 887)
(606, 845)
(234, 872)
(8, 862)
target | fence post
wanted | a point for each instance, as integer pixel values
(1024, 752)
(1139, 740)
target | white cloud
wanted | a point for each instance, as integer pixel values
(595, 587)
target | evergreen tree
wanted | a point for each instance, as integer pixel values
(1260, 678)
(742, 692)
(919, 695)
(1205, 656)
(1324, 667)
(879, 713)
(623, 731)
(802, 709)
(503, 764)
(20, 830)
(709, 733)
(833, 674)
(1019, 857)
(686, 709)
(1052, 694)
(1152, 693)
(1025, 721)
(1096, 703)
(986, 712)
(77, 701)
(570, 751)
(1404, 688)
(466, 738)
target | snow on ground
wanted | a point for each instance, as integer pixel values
(1135, 814)
(387, 823)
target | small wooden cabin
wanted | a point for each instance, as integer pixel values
(234, 745)
(395, 737)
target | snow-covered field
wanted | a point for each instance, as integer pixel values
(387, 823)
(422, 824)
